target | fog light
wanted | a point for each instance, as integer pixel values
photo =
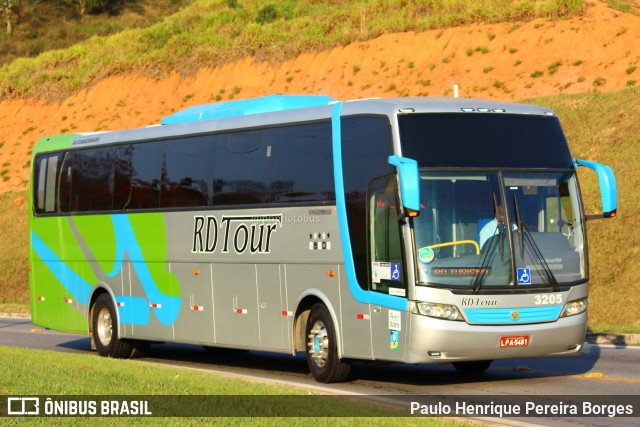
(434, 353)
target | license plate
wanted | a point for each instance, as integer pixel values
(514, 341)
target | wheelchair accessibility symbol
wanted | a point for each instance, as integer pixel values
(395, 271)
(524, 276)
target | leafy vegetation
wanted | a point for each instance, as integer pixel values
(86, 375)
(14, 286)
(604, 127)
(42, 25)
(208, 33)
(625, 6)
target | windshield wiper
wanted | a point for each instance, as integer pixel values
(519, 224)
(486, 260)
(523, 234)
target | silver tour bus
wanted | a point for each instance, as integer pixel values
(411, 230)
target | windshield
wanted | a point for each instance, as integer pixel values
(492, 229)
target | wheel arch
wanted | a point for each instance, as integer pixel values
(306, 301)
(99, 289)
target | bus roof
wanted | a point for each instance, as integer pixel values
(282, 109)
(264, 104)
(280, 103)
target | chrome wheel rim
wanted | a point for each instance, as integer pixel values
(318, 344)
(104, 326)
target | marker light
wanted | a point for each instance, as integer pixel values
(575, 307)
(439, 311)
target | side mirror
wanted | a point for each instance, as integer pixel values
(608, 189)
(409, 179)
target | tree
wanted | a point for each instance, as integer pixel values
(7, 6)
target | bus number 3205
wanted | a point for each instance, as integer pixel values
(548, 299)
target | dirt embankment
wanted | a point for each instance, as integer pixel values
(597, 51)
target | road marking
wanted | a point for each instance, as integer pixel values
(594, 375)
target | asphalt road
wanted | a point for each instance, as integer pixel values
(601, 370)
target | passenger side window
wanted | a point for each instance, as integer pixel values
(241, 169)
(387, 266)
(46, 172)
(147, 163)
(302, 164)
(188, 173)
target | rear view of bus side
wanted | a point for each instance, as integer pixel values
(413, 230)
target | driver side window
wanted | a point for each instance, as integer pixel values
(387, 266)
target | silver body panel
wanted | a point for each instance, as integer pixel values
(243, 276)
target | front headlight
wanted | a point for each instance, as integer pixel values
(575, 307)
(439, 311)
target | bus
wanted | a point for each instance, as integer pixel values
(412, 230)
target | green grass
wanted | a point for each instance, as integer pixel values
(14, 286)
(32, 371)
(604, 127)
(209, 33)
(625, 6)
(49, 25)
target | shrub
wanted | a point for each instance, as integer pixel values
(267, 15)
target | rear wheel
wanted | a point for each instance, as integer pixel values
(322, 349)
(475, 367)
(105, 330)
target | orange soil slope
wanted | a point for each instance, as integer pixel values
(597, 51)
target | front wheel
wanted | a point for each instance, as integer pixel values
(105, 330)
(322, 349)
(475, 367)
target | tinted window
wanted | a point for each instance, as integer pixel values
(92, 188)
(385, 239)
(366, 147)
(188, 172)
(484, 140)
(65, 199)
(147, 161)
(122, 176)
(302, 164)
(275, 165)
(46, 173)
(241, 169)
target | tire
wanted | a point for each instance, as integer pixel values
(475, 367)
(105, 330)
(322, 349)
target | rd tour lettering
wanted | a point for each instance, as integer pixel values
(237, 233)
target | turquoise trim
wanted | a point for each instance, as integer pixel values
(504, 315)
(243, 107)
(607, 181)
(133, 310)
(359, 294)
(126, 242)
(409, 181)
(79, 288)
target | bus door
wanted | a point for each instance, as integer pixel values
(388, 275)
